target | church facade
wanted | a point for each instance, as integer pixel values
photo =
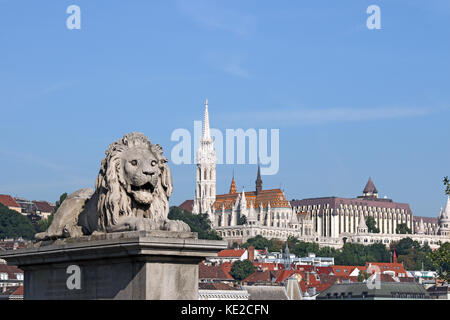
(328, 221)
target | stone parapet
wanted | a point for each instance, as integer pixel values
(126, 265)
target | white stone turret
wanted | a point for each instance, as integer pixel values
(252, 219)
(362, 226)
(294, 219)
(421, 227)
(444, 220)
(205, 193)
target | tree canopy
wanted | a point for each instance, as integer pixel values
(14, 224)
(261, 243)
(413, 254)
(447, 185)
(242, 269)
(242, 220)
(402, 228)
(372, 225)
(441, 260)
(197, 222)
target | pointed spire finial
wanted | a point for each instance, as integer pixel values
(258, 181)
(233, 185)
(206, 134)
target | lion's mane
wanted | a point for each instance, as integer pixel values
(111, 187)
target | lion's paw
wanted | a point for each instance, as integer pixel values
(176, 225)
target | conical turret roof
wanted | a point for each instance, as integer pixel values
(370, 187)
(362, 222)
(446, 212)
(233, 186)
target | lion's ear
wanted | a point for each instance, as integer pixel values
(166, 180)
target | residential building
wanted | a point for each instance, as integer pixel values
(386, 291)
(9, 202)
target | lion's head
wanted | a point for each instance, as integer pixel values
(134, 180)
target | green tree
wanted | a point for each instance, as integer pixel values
(402, 228)
(197, 222)
(242, 269)
(372, 225)
(413, 255)
(403, 247)
(360, 277)
(441, 260)
(378, 252)
(447, 185)
(259, 242)
(234, 245)
(14, 224)
(352, 254)
(242, 220)
(302, 249)
(60, 201)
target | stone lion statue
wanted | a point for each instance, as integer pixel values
(131, 193)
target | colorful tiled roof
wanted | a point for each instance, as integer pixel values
(275, 197)
(231, 253)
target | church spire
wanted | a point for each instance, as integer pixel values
(206, 134)
(206, 169)
(233, 185)
(258, 181)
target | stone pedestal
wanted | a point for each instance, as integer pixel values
(129, 265)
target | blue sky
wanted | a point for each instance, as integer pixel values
(349, 102)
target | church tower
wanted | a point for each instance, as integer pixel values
(205, 189)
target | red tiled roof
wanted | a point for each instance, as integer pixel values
(262, 276)
(213, 272)
(8, 201)
(43, 206)
(187, 205)
(231, 253)
(12, 291)
(385, 266)
(343, 270)
(12, 271)
(323, 270)
(18, 291)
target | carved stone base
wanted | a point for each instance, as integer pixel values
(128, 265)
